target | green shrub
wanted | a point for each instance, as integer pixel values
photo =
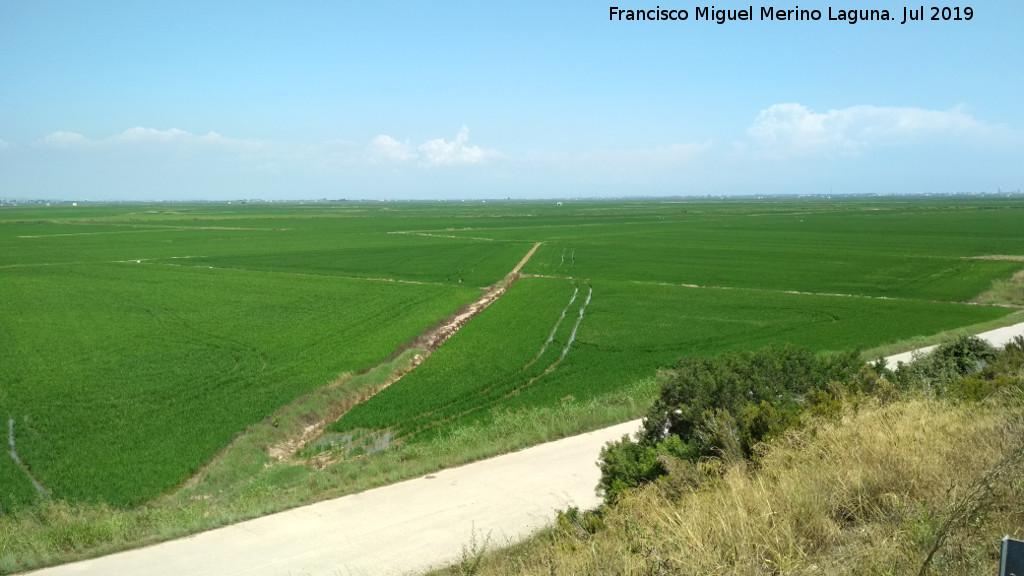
(722, 408)
(967, 353)
(761, 422)
(1003, 369)
(718, 435)
(824, 402)
(626, 464)
(1010, 360)
(935, 372)
(579, 523)
(734, 380)
(977, 387)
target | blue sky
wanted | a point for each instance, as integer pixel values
(225, 100)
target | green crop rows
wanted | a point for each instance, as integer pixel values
(490, 359)
(15, 487)
(629, 330)
(137, 341)
(698, 280)
(131, 355)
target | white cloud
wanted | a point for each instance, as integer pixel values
(63, 140)
(138, 136)
(326, 155)
(385, 147)
(432, 153)
(440, 152)
(795, 130)
(4, 145)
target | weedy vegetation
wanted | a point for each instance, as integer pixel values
(916, 470)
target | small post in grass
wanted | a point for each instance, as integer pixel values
(1011, 561)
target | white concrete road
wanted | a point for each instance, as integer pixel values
(998, 337)
(403, 528)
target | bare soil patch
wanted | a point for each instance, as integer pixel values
(287, 448)
(1003, 257)
(432, 235)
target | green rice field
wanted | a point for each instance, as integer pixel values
(136, 341)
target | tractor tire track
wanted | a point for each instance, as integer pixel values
(551, 337)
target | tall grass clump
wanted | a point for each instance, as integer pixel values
(872, 493)
(1008, 291)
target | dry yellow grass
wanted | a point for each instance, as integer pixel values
(872, 494)
(1010, 291)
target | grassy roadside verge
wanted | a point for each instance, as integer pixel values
(875, 493)
(244, 482)
(1003, 292)
(916, 343)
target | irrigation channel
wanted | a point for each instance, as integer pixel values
(17, 460)
(409, 527)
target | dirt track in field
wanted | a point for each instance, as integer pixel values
(428, 342)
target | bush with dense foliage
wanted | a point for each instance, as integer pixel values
(723, 406)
